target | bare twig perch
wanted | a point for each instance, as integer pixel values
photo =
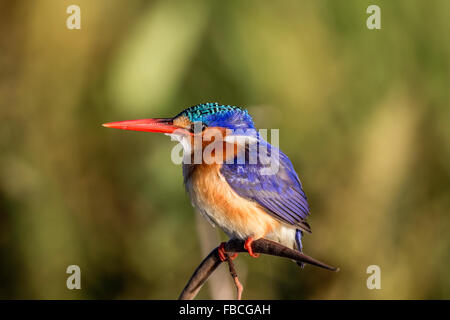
(264, 246)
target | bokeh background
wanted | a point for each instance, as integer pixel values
(364, 116)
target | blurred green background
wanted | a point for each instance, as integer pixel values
(363, 115)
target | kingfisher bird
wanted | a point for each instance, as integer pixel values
(230, 184)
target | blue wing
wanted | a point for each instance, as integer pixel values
(279, 192)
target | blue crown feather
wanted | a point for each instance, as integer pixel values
(215, 114)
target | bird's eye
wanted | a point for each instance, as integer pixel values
(196, 126)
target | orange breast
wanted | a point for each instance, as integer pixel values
(238, 217)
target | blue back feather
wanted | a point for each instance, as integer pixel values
(280, 194)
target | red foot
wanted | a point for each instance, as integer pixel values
(248, 247)
(223, 254)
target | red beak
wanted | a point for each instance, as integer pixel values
(164, 125)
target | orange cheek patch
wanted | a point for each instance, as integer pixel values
(218, 151)
(183, 122)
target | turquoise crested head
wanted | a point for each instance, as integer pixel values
(213, 114)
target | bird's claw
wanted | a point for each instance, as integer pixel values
(222, 253)
(248, 247)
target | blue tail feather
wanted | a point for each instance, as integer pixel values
(298, 240)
